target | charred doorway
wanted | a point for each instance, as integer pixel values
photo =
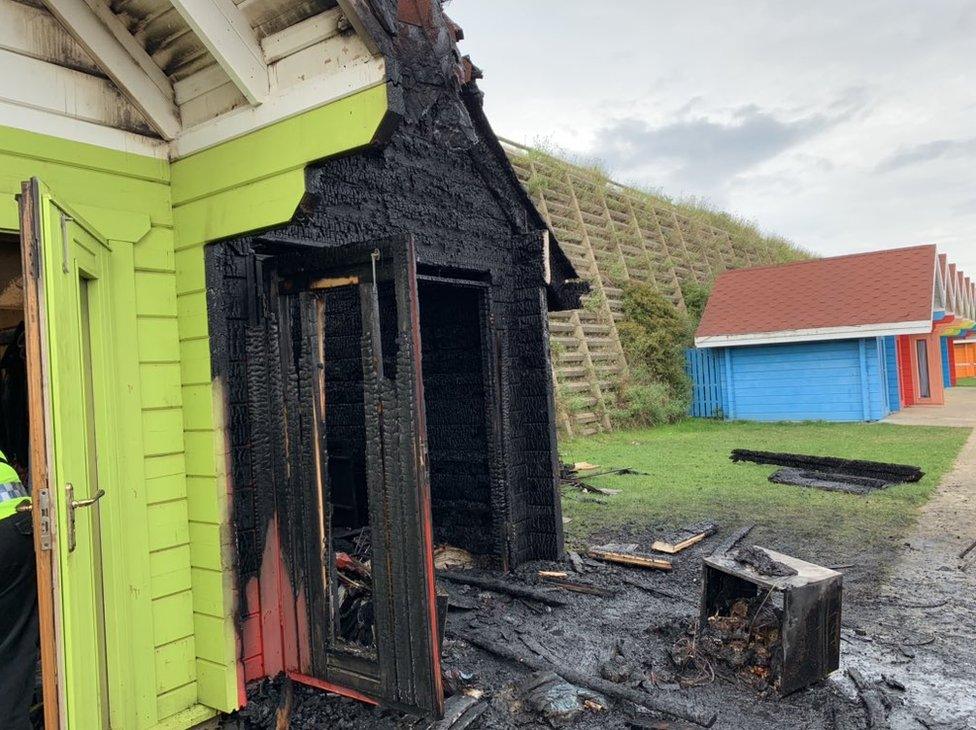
(460, 394)
(359, 351)
(370, 418)
(461, 421)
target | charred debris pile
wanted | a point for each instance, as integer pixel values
(618, 635)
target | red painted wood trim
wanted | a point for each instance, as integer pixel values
(334, 688)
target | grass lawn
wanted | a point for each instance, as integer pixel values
(966, 382)
(690, 478)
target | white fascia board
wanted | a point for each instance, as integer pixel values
(224, 30)
(938, 287)
(119, 64)
(312, 94)
(920, 327)
(78, 130)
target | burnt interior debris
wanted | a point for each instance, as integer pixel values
(772, 619)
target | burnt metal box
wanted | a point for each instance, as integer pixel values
(809, 604)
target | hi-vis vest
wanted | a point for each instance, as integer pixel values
(12, 492)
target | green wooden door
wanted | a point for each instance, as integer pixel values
(77, 342)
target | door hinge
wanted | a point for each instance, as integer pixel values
(44, 519)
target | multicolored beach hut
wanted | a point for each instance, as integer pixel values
(959, 329)
(848, 338)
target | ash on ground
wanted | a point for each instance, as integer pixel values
(628, 637)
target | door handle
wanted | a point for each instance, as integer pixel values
(74, 504)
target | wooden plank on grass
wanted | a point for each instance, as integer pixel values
(671, 548)
(695, 536)
(632, 560)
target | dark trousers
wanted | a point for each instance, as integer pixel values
(18, 621)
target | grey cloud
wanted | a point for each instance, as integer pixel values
(966, 207)
(938, 149)
(707, 153)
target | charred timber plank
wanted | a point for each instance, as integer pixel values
(502, 586)
(672, 548)
(870, 697)
(631, 560)
(283, 715)
(656, 591)
(470, 716)
(647, 724)
(826, 482)
(666, 706)
(334, 282)
(968, 550)
(585, 588)
(560, 580)
(458, 712)
(734, 539)
(893, 473)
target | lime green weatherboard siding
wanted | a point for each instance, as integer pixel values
(182, 582)
(127, 199)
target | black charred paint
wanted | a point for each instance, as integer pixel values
(441, 178)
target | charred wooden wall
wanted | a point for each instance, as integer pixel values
(440, 195)
(455, 200)
(441, 177)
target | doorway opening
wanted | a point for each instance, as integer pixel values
(458, 394)
(14, 420)
(14, 431)
(459, 397)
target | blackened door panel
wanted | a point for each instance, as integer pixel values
(396, 657)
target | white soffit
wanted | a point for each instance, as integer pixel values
(197, 72)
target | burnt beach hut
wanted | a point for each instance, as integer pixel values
(384, 365)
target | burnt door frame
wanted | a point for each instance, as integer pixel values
(406, 670)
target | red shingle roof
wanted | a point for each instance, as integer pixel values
(881, 287)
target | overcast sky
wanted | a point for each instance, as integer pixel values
(842, 125)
